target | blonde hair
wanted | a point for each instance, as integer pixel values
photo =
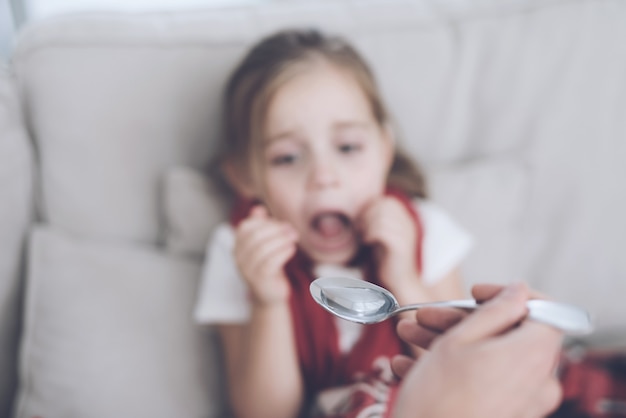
(264, 70)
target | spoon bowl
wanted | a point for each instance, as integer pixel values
(366, 303)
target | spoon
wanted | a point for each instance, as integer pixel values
(363, 302)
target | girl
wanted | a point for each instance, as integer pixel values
(320, 189)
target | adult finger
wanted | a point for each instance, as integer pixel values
(439, 319)
(401, 364)
(429, 324)
(413, 333)
(540, 343)
(485, 291)
(259, 211)
(495, 316)
(533, 330)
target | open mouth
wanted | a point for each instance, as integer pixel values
(331, 225)
(331, 231)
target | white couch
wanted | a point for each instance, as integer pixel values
(517, 108)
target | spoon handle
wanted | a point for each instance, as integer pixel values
(460, 303)
(567, 318)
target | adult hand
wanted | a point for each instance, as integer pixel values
(490, 363)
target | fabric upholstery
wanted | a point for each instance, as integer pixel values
(192, 208)
(109, 334)
(16, 203)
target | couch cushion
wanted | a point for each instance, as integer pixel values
(114, 100)
(16, 197)
(109, 120)
(109, 333)
(192, 207)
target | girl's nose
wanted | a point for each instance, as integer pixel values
(324, 173)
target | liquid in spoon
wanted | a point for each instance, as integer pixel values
(354, 300)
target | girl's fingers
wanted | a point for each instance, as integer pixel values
(366, 224)
(275, 261)
(495, 316)
(266, 261)
(371, 222)
(379, 224)
(265, 248)
(258, 224)
(255, 234)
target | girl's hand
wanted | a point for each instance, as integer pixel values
(388, 225)
(262, 247)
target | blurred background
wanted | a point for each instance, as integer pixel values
(108, 115)
(14, 13)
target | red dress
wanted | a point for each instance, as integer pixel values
(348, 385)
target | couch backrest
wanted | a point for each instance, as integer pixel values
(16, 210)
(517, 109)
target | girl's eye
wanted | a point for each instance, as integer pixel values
(349, 148)
(283, 159)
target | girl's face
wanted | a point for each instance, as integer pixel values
(324, 158)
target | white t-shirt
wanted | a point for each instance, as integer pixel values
(223, 295)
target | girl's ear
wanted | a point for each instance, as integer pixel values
(238, 179)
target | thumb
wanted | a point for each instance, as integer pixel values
(259, 212)
(401, 364)
(484, 292)
(495, 316)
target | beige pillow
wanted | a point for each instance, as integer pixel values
(192, 208)
(109, 333)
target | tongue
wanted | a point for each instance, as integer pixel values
(330, 225)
